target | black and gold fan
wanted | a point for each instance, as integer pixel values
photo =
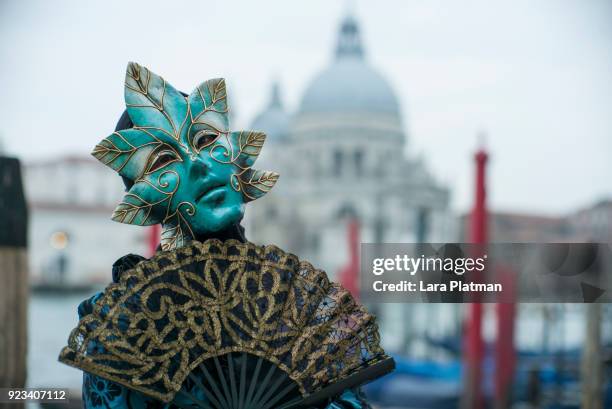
(228, 325)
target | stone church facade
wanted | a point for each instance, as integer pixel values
(342, 156)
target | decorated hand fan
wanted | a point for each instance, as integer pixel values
(227, 325)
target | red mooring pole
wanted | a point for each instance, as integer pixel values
(153, 236)
(473, 342)
(349, 275)
(505, 355)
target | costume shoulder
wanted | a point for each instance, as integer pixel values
(123, 264)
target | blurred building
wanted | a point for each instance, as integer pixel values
(517, 227)
(71, 237)
(589, 224)
(342, 155)
(593, 223)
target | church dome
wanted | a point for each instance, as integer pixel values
(274, 121)
(349, 84)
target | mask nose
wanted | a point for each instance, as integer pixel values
(200, 167)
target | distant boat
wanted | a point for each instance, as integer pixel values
(51, 288)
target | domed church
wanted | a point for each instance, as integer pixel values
(342, 157)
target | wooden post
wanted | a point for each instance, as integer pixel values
(591, 376)
(13, 276)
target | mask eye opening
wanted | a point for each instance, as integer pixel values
(204, 138)
(161, 157)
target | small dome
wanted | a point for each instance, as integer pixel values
(349, 84)
(274, 121)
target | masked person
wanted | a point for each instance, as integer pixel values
(211, 320)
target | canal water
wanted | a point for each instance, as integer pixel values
(51, 318)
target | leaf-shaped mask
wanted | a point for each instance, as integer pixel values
(189, 171)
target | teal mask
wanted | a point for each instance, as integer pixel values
(189, 171)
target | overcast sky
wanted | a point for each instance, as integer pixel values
(535, 75)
